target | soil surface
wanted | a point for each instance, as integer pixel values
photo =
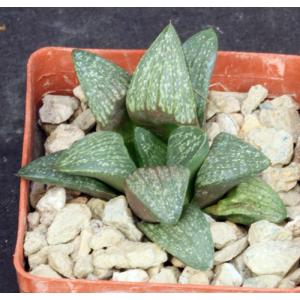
(22, 31)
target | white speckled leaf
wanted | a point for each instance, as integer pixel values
(251, 201)
(158, 194)
(43, 170)
(187, 146)
(200, 51)
(104, 85)
(229, 162)
(189, 240)
(150, 150)
(160, 95)
(101, 155)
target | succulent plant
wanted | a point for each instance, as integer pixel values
(152, 146)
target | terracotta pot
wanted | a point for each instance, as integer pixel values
(51, 70)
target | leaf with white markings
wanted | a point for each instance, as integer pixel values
(104, 85)
(43, 170)
(158, 194)
(189, 240)
(150, 150)
(187, 146)
(229, 162)
(101, 155)
(200, 52)
(160, 95)
(251, 201)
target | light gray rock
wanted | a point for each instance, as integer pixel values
(34, 241)
(263, 281)
(57, 109)
(251, 122)
(272, 257)
(212, 130)
(177, 263)
(135, 275)
(193, 276)
(61, 263)
(226, 274)
(85, 120)
(166, 275)
(33, 220)
(63, 137)
(230, 251)
(117, 214)
(291, 280)
(37, 190)
(262, 231)
(97, 207)
(227, 124)
(83, 266)
(222, 234)
(282, 179)
(129, 255)
(293, 212)
(276, 144)
(38, 258)
(53, 200)
(68, 223)
(241, 267)
(45, 271)
(294, 227)
(256, 95)
(292, 197)
(103, 273)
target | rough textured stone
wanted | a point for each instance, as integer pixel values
(33, 220)
(78, 200)
(212, 130)
(241, 267)
(34, 241)
(166, 275)
(256, 95)
(47, 217)
(117, 214)
(263, 281)
(227, 124)
(272, 257)
(223, 102)
(135, 275)
(226, 274)
(103, 273)
(61, 263)
(53, 200)
(293, 212)
(78, 93)
(85, 120)
(68, 223)
(57, 109)
(63, 137)
(45, 271)
(282, 179)
(291, 280)
(296, 157)
(286, 119)
(128, 254)
(294, 226)
(262, 231)
(97, 207)
(276, 144)
(108, 236)
(291, 198)
(230, 251)
(177, 263)
(83, 266)
(38, 258)
(84, 245)
(37, 191)
(251, 122)
(193, 276)
(222, 234)
(284, 102)
(238, 118)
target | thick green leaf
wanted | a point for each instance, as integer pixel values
(189, 240)
(43, 170)
(101, 155)
(150, 150)
(104, 85)
(187, 146)
(229, 162)
(158, 194)
(251, 201)
(200, 52)
(160, 95)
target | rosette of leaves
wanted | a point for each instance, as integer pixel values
(166, 99)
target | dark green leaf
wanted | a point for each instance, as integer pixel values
(104, 85)
(160, 95)
(251, 201)
(43, 170)
(189, 240)
(187, 146)
(229, 162)
(200, 52)
(158, 194)
(101, 155)
(150, 150)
